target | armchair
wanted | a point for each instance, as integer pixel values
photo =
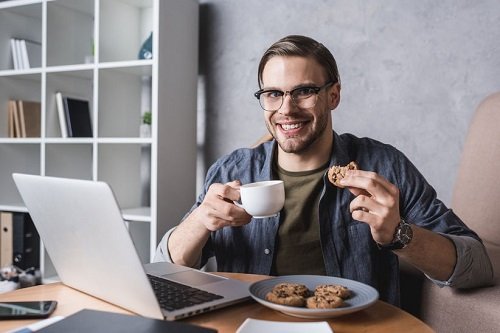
(476, 199)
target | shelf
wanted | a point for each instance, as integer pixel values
(140, 214)
(121, 96)
(144, 65)
(69, 161)
(13, 208)
(139, 67)
(135, 21)
(70, 32)
(15, 72)
(21, 20)
(90, 49)
(20, 140)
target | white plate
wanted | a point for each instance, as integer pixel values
(362, 297)
(259, 326)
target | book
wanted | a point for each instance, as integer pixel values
(13, 51)
(16, 124)
(24, 54)
(29, 118)
(108, 322)
(77, 115)
(11, 131)
(61, 115)
(34, 53)
(19, 55)
(6, 246)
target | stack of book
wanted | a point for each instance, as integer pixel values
(25, 53)
(24, 119)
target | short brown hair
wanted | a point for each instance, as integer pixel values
(302, 46)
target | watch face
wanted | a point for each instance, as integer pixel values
(405, 233)
(402, 237)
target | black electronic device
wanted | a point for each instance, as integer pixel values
(77, 113)
(26, 310)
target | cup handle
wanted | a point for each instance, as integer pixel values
(238, 204)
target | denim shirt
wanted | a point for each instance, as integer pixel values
(348, 248)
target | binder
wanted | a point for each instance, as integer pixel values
(6, 239)
(25, 242)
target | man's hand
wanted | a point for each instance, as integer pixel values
(215, 212)
(376, 203)
(218, 210)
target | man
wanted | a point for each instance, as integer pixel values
(386, 210)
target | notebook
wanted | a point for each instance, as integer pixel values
(86, 321)
(82, 229)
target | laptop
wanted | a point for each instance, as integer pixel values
(83, 231)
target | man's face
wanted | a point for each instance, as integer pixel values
(297, 130)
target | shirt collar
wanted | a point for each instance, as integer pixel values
(338, 156)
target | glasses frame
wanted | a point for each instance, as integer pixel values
(315, 89)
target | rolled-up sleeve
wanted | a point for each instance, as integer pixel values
(162, 253)
(473, 267)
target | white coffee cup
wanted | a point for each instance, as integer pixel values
(262, 199)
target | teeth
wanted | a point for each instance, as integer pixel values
(287, 127)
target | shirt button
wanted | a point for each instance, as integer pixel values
(267, 251)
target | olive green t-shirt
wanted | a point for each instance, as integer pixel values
(298, 249)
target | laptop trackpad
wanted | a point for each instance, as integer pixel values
(193, 278)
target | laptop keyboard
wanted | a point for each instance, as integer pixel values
(174, 296)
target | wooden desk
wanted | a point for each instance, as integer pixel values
(380, 317)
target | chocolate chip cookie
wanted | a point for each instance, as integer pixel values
(324, 301)
(291, 294)
(332, 289)
(337, 172)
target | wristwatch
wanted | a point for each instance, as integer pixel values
(402, 237)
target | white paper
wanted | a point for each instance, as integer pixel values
(258, 326)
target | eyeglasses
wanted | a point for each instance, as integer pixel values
(303, 97)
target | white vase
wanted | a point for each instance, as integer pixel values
(145, 131)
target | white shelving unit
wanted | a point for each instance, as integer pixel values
(90, 49)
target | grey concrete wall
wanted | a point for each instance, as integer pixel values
(412, 71)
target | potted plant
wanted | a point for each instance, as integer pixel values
(146, 124)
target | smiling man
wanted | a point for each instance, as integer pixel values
(387, 210)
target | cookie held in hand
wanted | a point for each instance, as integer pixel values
(337, 172)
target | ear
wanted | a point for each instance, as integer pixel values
(334, 96)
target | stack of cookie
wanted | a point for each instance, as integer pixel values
(325, 296)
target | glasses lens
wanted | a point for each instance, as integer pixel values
(305, 97)
(271, 100)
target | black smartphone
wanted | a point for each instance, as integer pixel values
(26, 310)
